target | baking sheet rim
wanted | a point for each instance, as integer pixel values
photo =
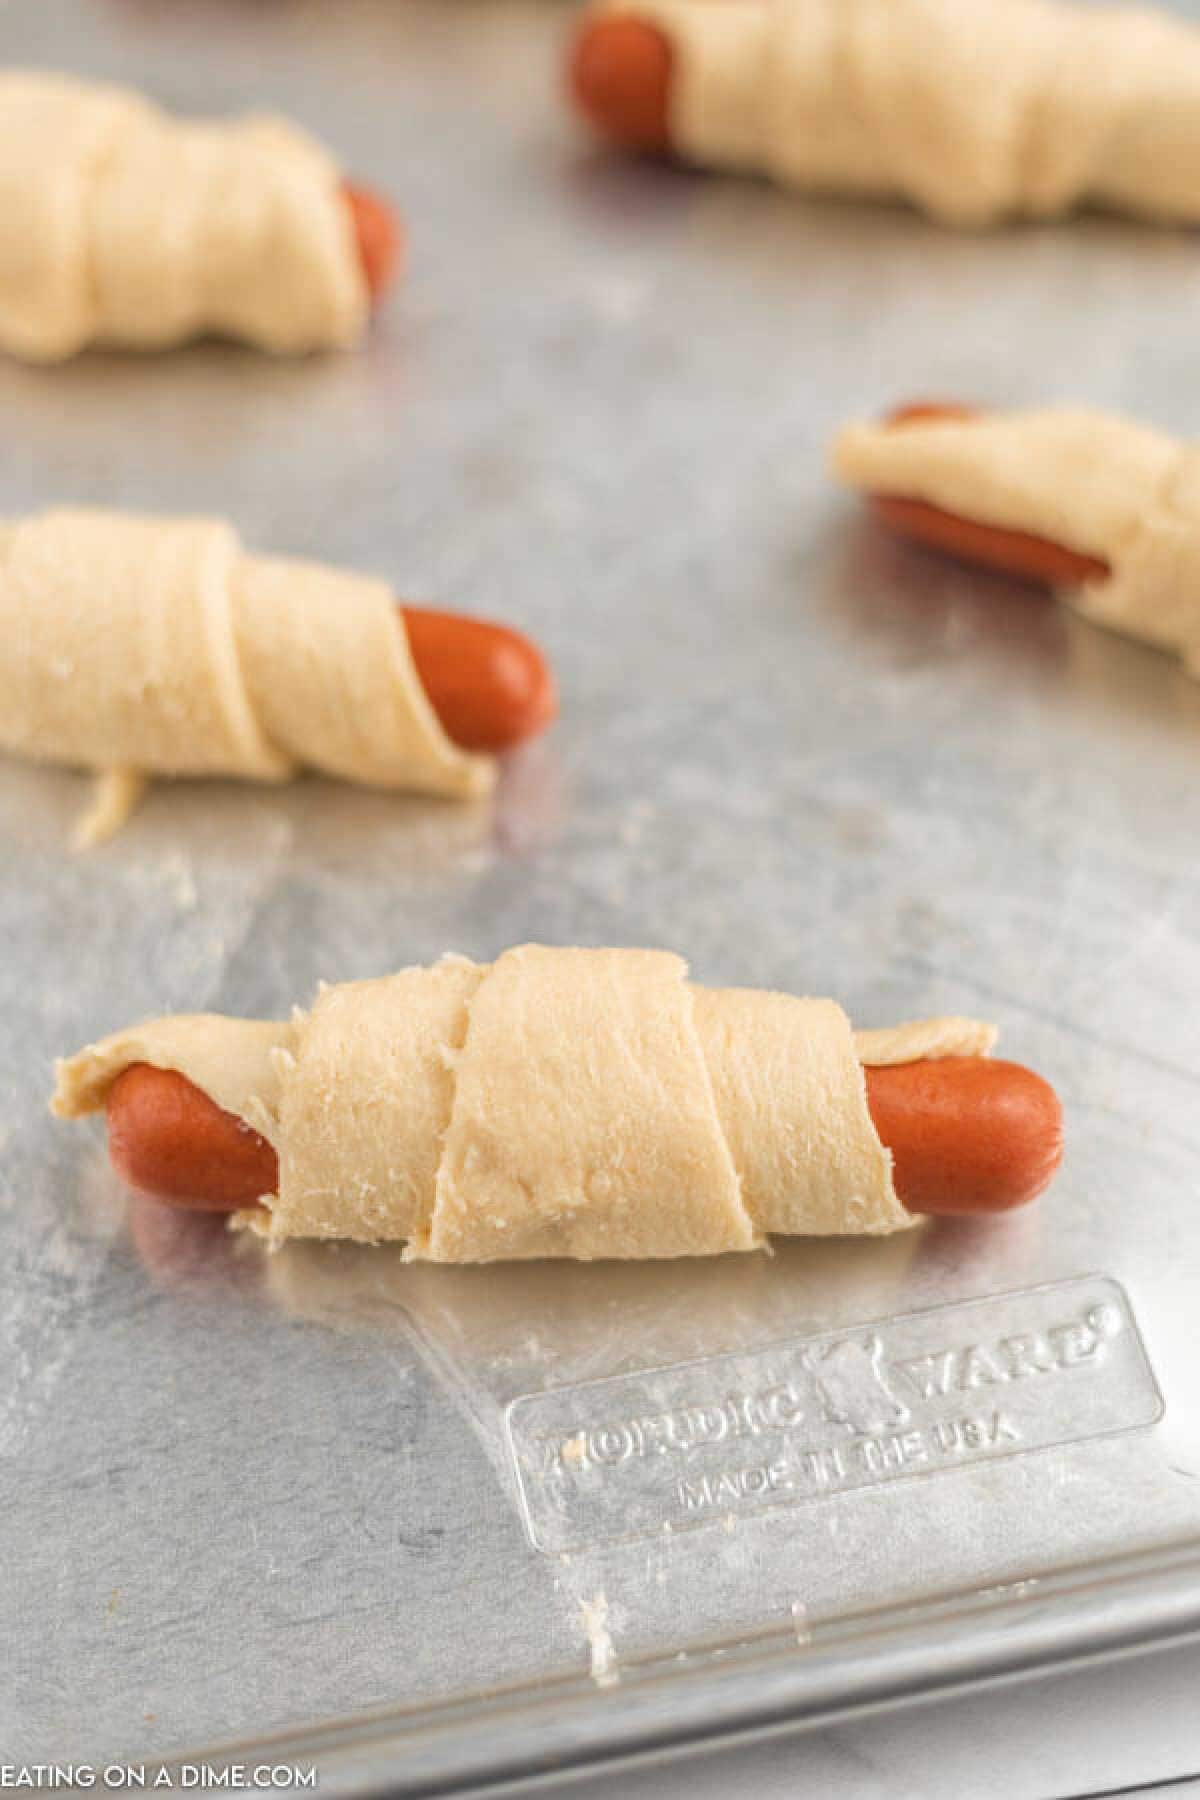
(870, 1661)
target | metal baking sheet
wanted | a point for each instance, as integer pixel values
(248, 1499)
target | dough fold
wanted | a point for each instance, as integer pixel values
(558, 1102)
(157, 646)
(972, 112)
(1103, 486)
(122, 226)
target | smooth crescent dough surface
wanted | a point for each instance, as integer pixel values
(157, 646)
(1103, 486)
(581, 1103)
(122, 226)
(973, 112)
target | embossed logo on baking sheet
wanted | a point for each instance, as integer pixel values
(670, 1448)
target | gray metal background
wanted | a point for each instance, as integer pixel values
(238, 1497)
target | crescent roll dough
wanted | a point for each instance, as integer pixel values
(584, 1103)
(157, 646)
(1102, 486)
(120, 225)
(973, 110)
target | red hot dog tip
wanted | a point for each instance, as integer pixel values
(380, 236)
(968, 1134)
(1016, 553)
(914, 410)
(490, 686)
(619, 73)
(167, 1139)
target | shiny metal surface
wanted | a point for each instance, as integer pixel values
(242, 1497)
